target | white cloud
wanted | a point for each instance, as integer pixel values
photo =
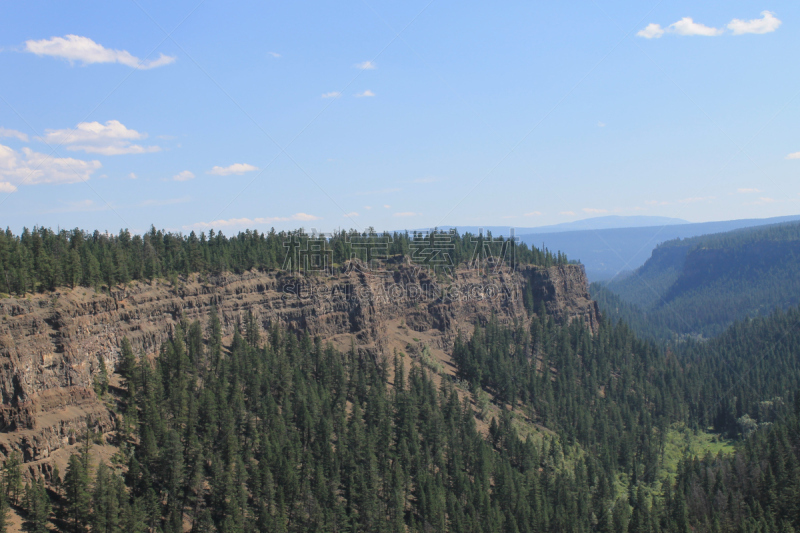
(379, 191)
(766, 24)
(7, 187)
(686, 26)
(766, 200)
(241, 222)
(696, 199)
(747, 191)
(77, 48)
(572, 213)
(366, 65)
(387, 206)
(594, 211)
(132, 176)
(332, 94)
(236, 168)
(186, 175)
(795, 155)
(13, 133)
(160, 202)
(111, 138)
(304, 217)
(406, 214)
(34, 168)
(80, 206)
(365, 93)
(274, 54)
(652, 31)
(533, 214)
(601, 124)
(351, 214)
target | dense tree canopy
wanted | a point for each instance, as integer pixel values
(42, 259)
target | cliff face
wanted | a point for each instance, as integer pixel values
(51, 345)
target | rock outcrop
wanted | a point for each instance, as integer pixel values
(51, 344)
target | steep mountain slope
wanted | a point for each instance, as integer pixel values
(701, 285)
(53, 345)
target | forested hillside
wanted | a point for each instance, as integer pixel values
(284, 433)
(703, 284)
(537, 425)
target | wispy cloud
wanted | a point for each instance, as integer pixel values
(696, 199)
(687, 26)
(80, 206)
(795, 155)
(111, 138)
(572, 213)
(366, 65)
(161, 202)
(651, 31)
(83, 49)
(132, 176)
(185, 175)
(276, 55)
(533, 214)
(379, 191)
(766, 24)
(350, 214)
(601, 124)
(6, 187)
(236, 168)
(747, 191)
(13, 133)
(429, 179)
(243, 222)
(406, 214)
(35, 168)
(366, 93)
(594, 211)
(332, 94)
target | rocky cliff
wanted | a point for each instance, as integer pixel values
(51, 344)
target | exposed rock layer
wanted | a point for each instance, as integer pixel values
(51, 345)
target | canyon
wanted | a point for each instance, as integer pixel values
(53, 345)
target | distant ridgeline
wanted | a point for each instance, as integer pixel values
(42, 259)
(701, 285)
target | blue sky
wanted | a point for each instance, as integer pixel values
(193, 115)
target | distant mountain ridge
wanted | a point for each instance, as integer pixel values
(613, 245)
(594, 223)
(702, 284)
(606, 253)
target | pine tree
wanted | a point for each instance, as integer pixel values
(76, 493)
(3, 512)
(37, 507)
(12, 477)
